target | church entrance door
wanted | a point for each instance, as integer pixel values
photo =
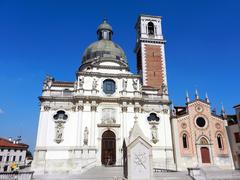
(205, 155)
(108, 148)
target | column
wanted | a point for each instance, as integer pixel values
(79, 125)
(93, 125)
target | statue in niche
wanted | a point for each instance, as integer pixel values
(124, 84)
(135, 83)
(59, 132)
(81, 81)
(154, 134)
(85, 138)
(47, 84)
(94, 84)
(164, 89)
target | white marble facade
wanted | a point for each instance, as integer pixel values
(106, 96)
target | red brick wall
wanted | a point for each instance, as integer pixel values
(154, 65)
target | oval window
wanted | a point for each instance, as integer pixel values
(109, 86)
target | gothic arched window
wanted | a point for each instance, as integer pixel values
(185, 140)
(219, 140)
(150, 28)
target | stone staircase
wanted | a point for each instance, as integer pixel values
(171, 176)
(116, 173)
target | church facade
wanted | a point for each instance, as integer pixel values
(200, 136)
(83, 123)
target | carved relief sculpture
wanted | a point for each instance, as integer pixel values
(94, 84)
(85, 138)
(154, 134)
(59, 132)
(59, 118)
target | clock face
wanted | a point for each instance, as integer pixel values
(199, 108)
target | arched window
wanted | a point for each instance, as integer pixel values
(150, 28)
(185, 140)
(219, 140)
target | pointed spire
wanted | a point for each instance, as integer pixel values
(187, 97)
(214, 111)
(222, 110)
(196, 94)
(206, 98)
(173, 111)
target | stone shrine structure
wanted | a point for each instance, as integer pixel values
(138, 155)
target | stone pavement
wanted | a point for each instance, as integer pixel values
(115, 173)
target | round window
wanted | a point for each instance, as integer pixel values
(201, 122)
(109, 86)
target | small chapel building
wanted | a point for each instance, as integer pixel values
(200, 136)
(83, 123)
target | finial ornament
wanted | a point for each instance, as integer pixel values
(187, 97)
(196, 94)
(206, 98)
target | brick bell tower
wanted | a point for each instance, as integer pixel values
(150, 52)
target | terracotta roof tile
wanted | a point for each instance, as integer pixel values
(4, 143)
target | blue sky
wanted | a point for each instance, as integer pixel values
(49, 37)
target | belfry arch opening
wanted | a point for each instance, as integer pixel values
(150, 28)
(108, 148)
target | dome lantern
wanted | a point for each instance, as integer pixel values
(104, 31)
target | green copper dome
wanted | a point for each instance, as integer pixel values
(104, 48)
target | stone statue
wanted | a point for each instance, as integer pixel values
(164, 89)
(154, 134)
(94, 84)
(47, 84)
(124, 84)
(135, 83)
(85, 138)
(81, 82)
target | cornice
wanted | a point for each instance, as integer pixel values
(85, 73)
(98, 99)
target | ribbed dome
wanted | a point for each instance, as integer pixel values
(104, 48)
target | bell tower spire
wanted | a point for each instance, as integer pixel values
(150, 51)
